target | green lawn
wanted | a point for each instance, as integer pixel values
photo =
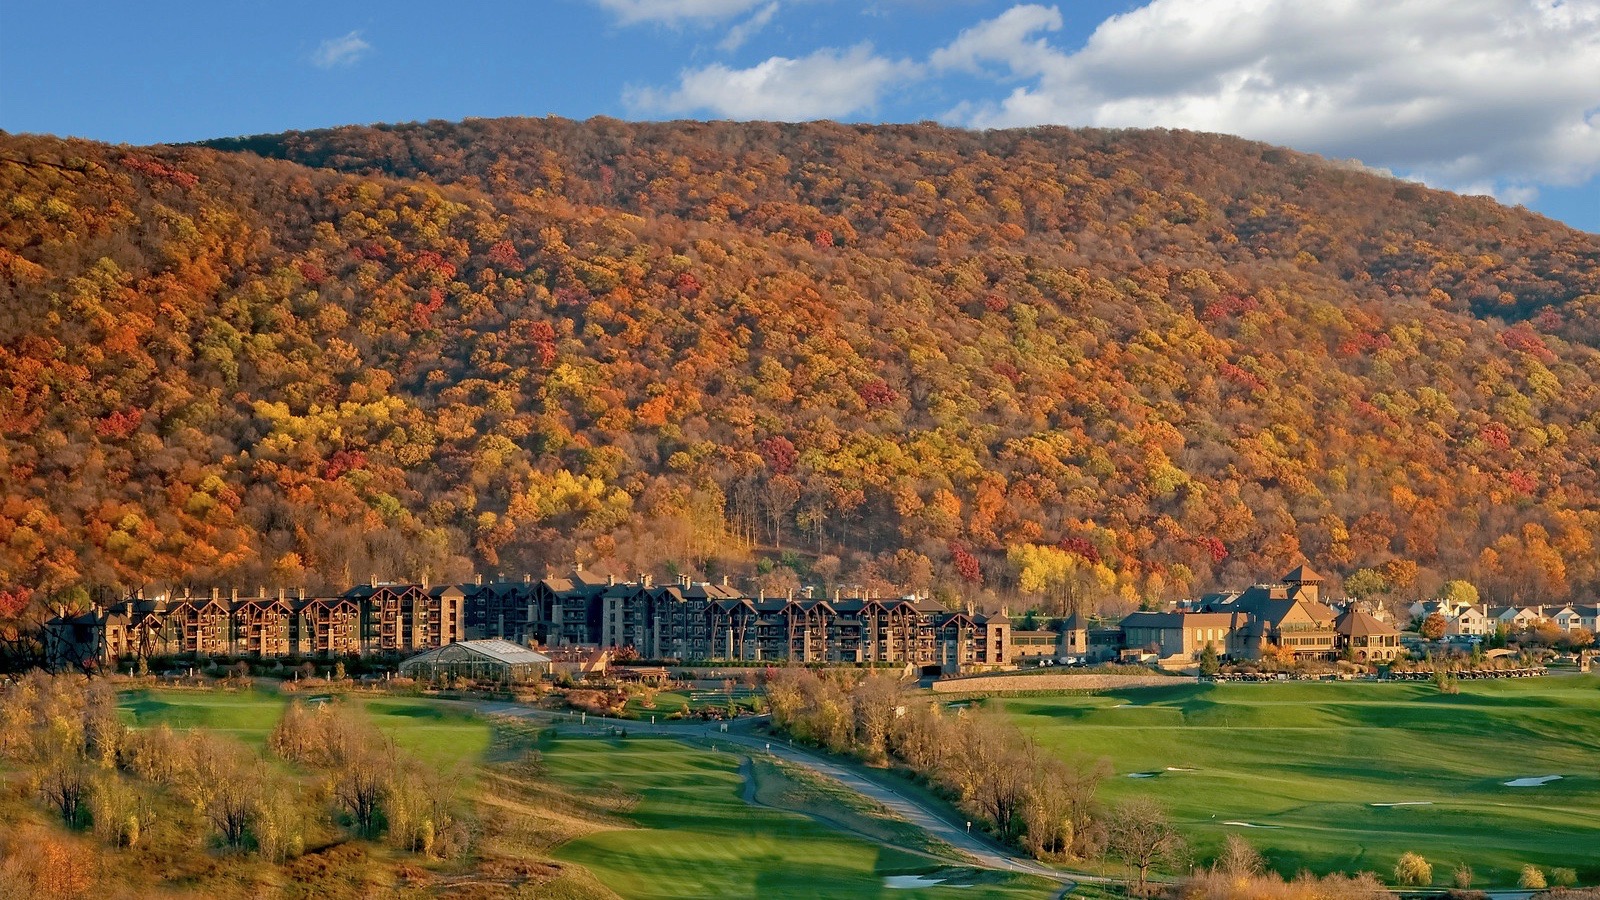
(1307, 762)
(684, 702)
(694, 834)
(698, 838)
(432, 731)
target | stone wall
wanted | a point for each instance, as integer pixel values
(1053, 681)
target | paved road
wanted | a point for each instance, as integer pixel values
(978, 849)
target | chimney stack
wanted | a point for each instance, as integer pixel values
(527, 578)
(374, 579)
(611, 581)
(724, 581)
(478, 578)
(216, 593)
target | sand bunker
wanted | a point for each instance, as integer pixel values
(1143, 774)
(1250, 825)
(911, 882)
(1181, 769)
(1405, 803)
(1539, 781)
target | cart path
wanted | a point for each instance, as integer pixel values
(978, 849)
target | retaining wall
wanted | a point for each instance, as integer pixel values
(1053, 681)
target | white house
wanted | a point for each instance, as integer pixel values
(1470, 620)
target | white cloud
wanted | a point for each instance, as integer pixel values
(340, 51)
(1004, 38)
(826, 84)
(630, 12)
(742, 32)
(1458, 92)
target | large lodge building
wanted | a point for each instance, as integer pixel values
(703, 621)
(684, 620)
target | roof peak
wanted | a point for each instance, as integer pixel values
(1302, 575)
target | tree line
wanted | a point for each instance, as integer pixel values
(328, 772)
(1016, 790)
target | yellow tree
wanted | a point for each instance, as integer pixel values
(1070, 584)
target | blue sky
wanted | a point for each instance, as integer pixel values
(1480, 96)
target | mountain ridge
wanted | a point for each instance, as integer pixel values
(906, 353)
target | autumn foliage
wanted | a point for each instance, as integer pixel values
(901, 351)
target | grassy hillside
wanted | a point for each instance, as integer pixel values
(903, 354)
(1309, 767)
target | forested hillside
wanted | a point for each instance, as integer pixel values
(1118, 365)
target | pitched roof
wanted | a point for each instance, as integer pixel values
(493, 648)
(1355, 623)
(1152, 620)
(1302, 575)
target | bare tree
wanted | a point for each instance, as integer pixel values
(359, 782)
(1080, 781)
(116, 809)
(1142, 836)
(1047, 813)
(223, 779)
(417, 804)
(63, 780)
(877, 701)
(1239, 858)
(278, 821)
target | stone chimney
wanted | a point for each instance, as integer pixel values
(374, 582)
(527, 578)
(478, 579)
(216, 593)
(724, 581)
(611, 581)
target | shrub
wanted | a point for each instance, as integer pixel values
(1532, 878)
(1412, 869)
(1462, 877)
(1563, 877)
